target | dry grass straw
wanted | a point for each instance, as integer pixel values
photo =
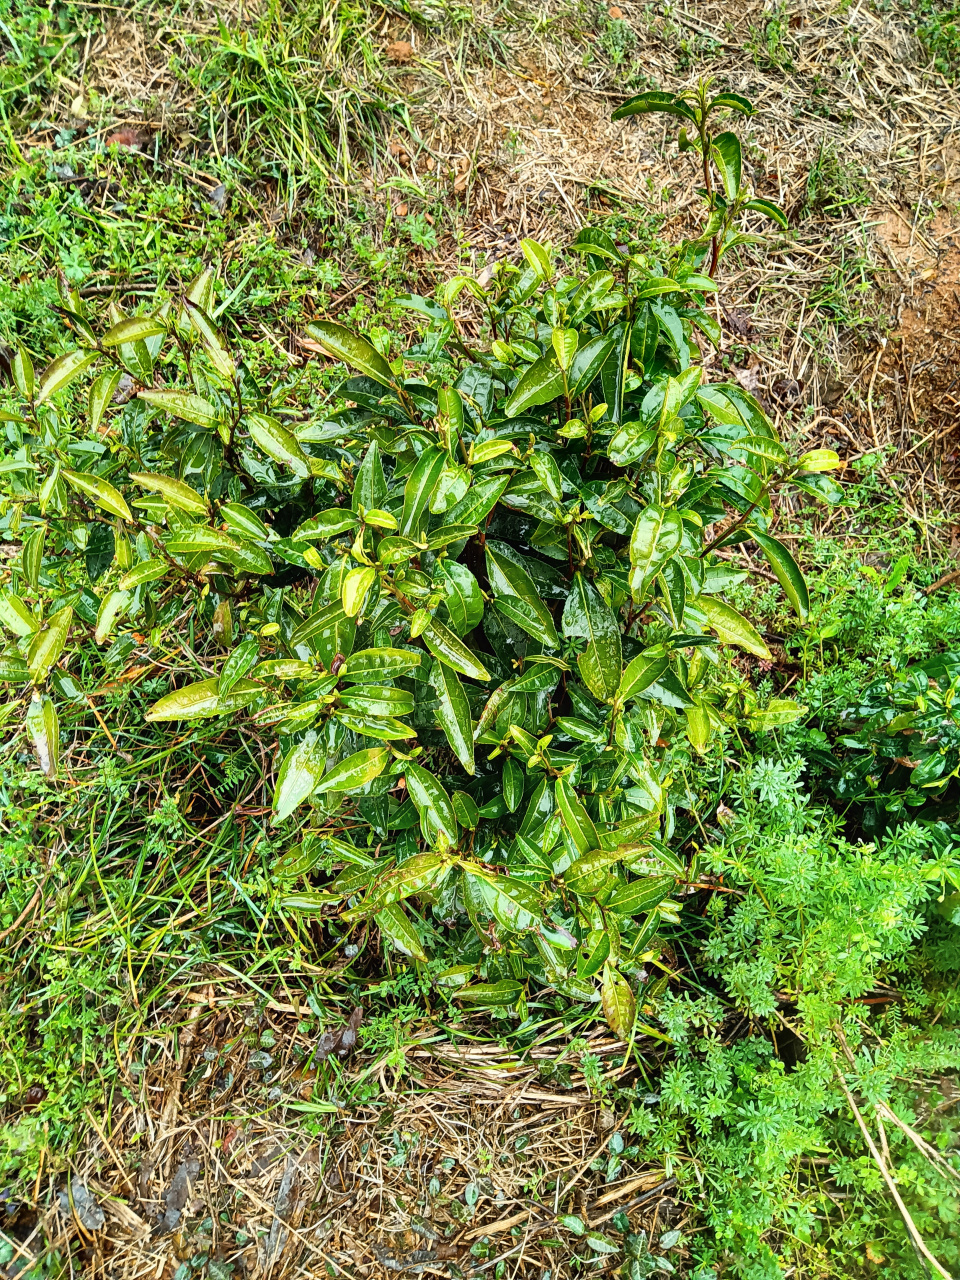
(467, 1143)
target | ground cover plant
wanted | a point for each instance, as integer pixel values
(191, 932)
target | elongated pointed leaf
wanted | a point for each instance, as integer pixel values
(175, 492)
(587, 616)
(47, 645)
(453, 713)
(728, 159)
(15, 615)
(184, 405)
(732, 627)
(772, 211)
(619, 1004)
(133, 329)
(62, 371)
(654, 100)
(588, 362)
(640, 674)
(431, 799)
(577, 822)
(462, 595)
(113, 605)
(238, 664)
(356, 771)
(101, 393)
(212, 340)
(344, 345)
(31, 557)
(416, 494)
(370, 486)
(43, 730)
(787, 571)
(356, 587)
(541, 383)
(202, 700)
(478, 502)
(371, 665)
(299, 777)
(277, 443)
(656, 537)
(443, 644)
(510, 582)
(394, 923)
(101, 491)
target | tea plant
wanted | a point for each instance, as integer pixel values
(478, 606)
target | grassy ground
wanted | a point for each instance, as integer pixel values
(160, 1008)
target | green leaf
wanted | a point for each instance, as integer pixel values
(133, 329)
(538, 257)
(513, 777)
(43, 730)
(370, 486)
(479, 501)
(453, 712)
(517, 597)
(541, 383)
(786, 570)
(462, 595)
(487, 995)
(548, 473)
(818, 460)
(356, 771)
(240, 519)
(565, 343)
(640, 674)
(734, 102)
(353, 350)
(298, 777)
(16, 616)
(356, 586)
(201, 701)
(175, 492)
(431, 800)
(184, 405)
(732, 627)
(699, 724)
(212, 340)
(653, 100)
(656, 536)
(415, 875)
(772, 211)
(394, 923)
(443, 644)
(101, 393)
(376, 700)
(237, 664)
(587, 616)
(47, 645)
(102, 493)
(21, 367)
(378, 664)
(31, 557)
(620, 1010)
(577, 822)
(62, 371)
(465, 810)
(277, 443)
(728, 159)
(614, 369)
(588, 362)
(112, 606)
(640, 895)
(416, 494)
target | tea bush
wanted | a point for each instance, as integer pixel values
(478, 606)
